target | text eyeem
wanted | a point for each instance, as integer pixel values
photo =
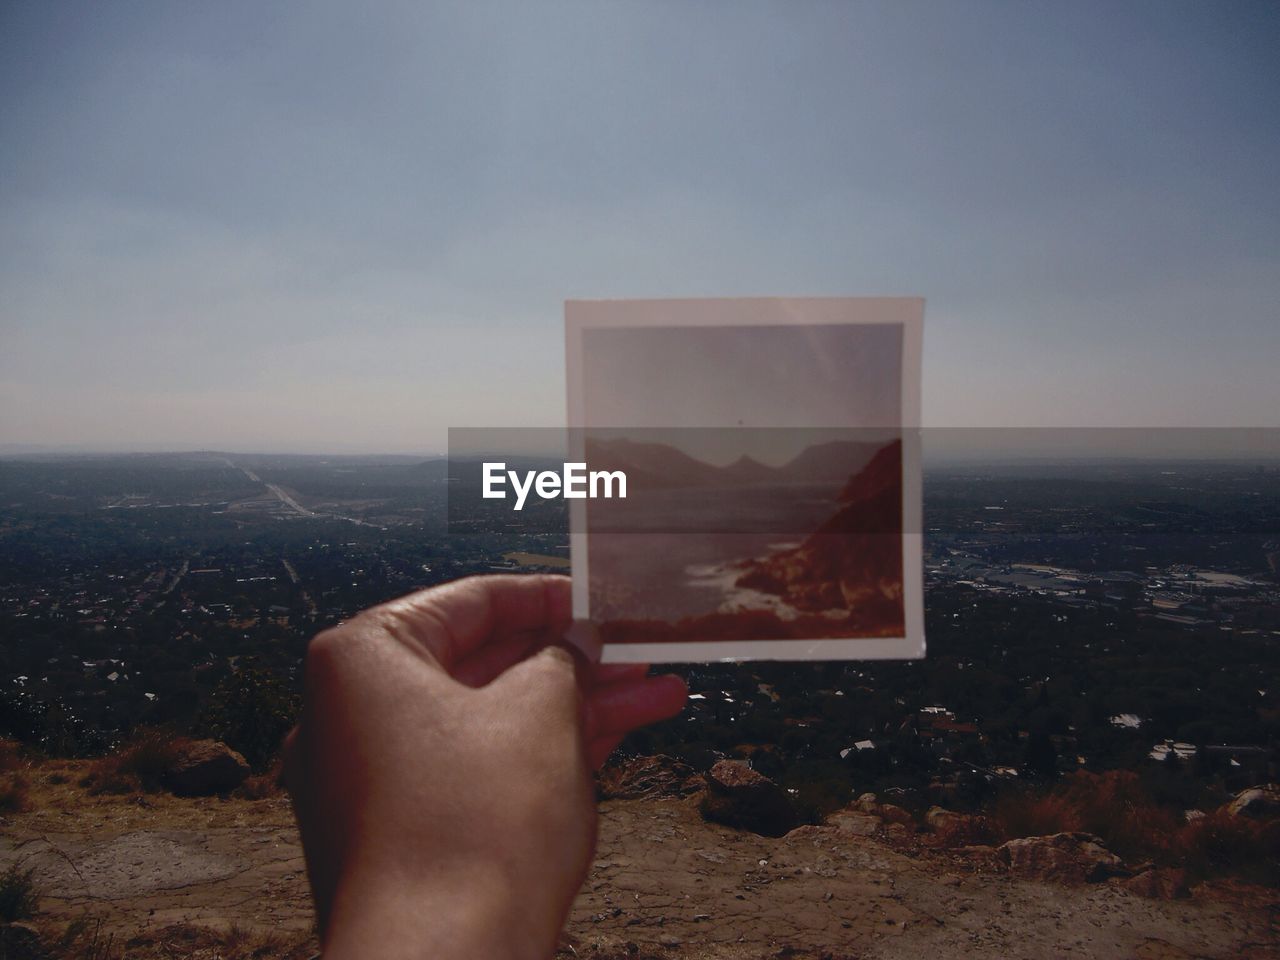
(575, 482)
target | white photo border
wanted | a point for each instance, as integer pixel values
(907, 312)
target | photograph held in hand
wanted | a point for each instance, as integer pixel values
(770, 447)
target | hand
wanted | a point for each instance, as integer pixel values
(441, 770)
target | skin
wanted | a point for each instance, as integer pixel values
(441, 771)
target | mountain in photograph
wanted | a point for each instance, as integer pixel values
(659, 465)
(651, 465)
(749, 470)
(832, 461)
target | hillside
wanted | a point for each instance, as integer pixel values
(167, 877)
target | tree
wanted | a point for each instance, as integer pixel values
(251, 711)
(1041, 757)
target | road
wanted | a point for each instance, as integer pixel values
(288, 500)
(291, 503)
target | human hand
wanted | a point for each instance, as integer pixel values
(440, 772)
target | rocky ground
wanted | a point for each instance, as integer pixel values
(154, 875)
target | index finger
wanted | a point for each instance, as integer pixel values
(455, 620)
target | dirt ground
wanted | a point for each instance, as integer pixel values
(665, 884)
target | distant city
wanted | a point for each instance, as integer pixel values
(1077, 615)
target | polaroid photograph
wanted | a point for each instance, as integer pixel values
(764, 478)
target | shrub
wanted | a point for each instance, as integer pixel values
(1113, 806)
(138, 765)
(10, 756)
(1118, 807)
(83, 940)
(1020, 813)
(13, 793)
(18, 896)
(1219, 843)
(814, 802)
(821, 788)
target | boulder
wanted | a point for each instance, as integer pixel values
(893, 814)
(1159, 883)
(648, 778)
(951, 829)
(737, 796)
(1061, 858)
(1257, 803)
(202, 768)
(866, 803)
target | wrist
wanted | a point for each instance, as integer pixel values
(468, 913)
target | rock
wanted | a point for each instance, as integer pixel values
(648, 778)
(808, 833)
(1061, 858)
(1159, 883)
(203, 768)
(868, 805)
(859, 824)
(20, 941)
(951, 829)
(1257, 803)
(892, 814)
(899, 832)
(737, 796)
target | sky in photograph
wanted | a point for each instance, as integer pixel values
(329, 226)
(701, 379)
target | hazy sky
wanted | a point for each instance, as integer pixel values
(757, 377)
(768, 379)
(337, 226)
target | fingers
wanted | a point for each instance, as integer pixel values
(630, 703)
(546, 682)
(552, 678)
(605, 673)
(487, 663)
(455, 620)
(631, 700)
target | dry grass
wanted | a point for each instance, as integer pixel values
(138, 766)
(85, 939)
(1116, 807)
(234, 943)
